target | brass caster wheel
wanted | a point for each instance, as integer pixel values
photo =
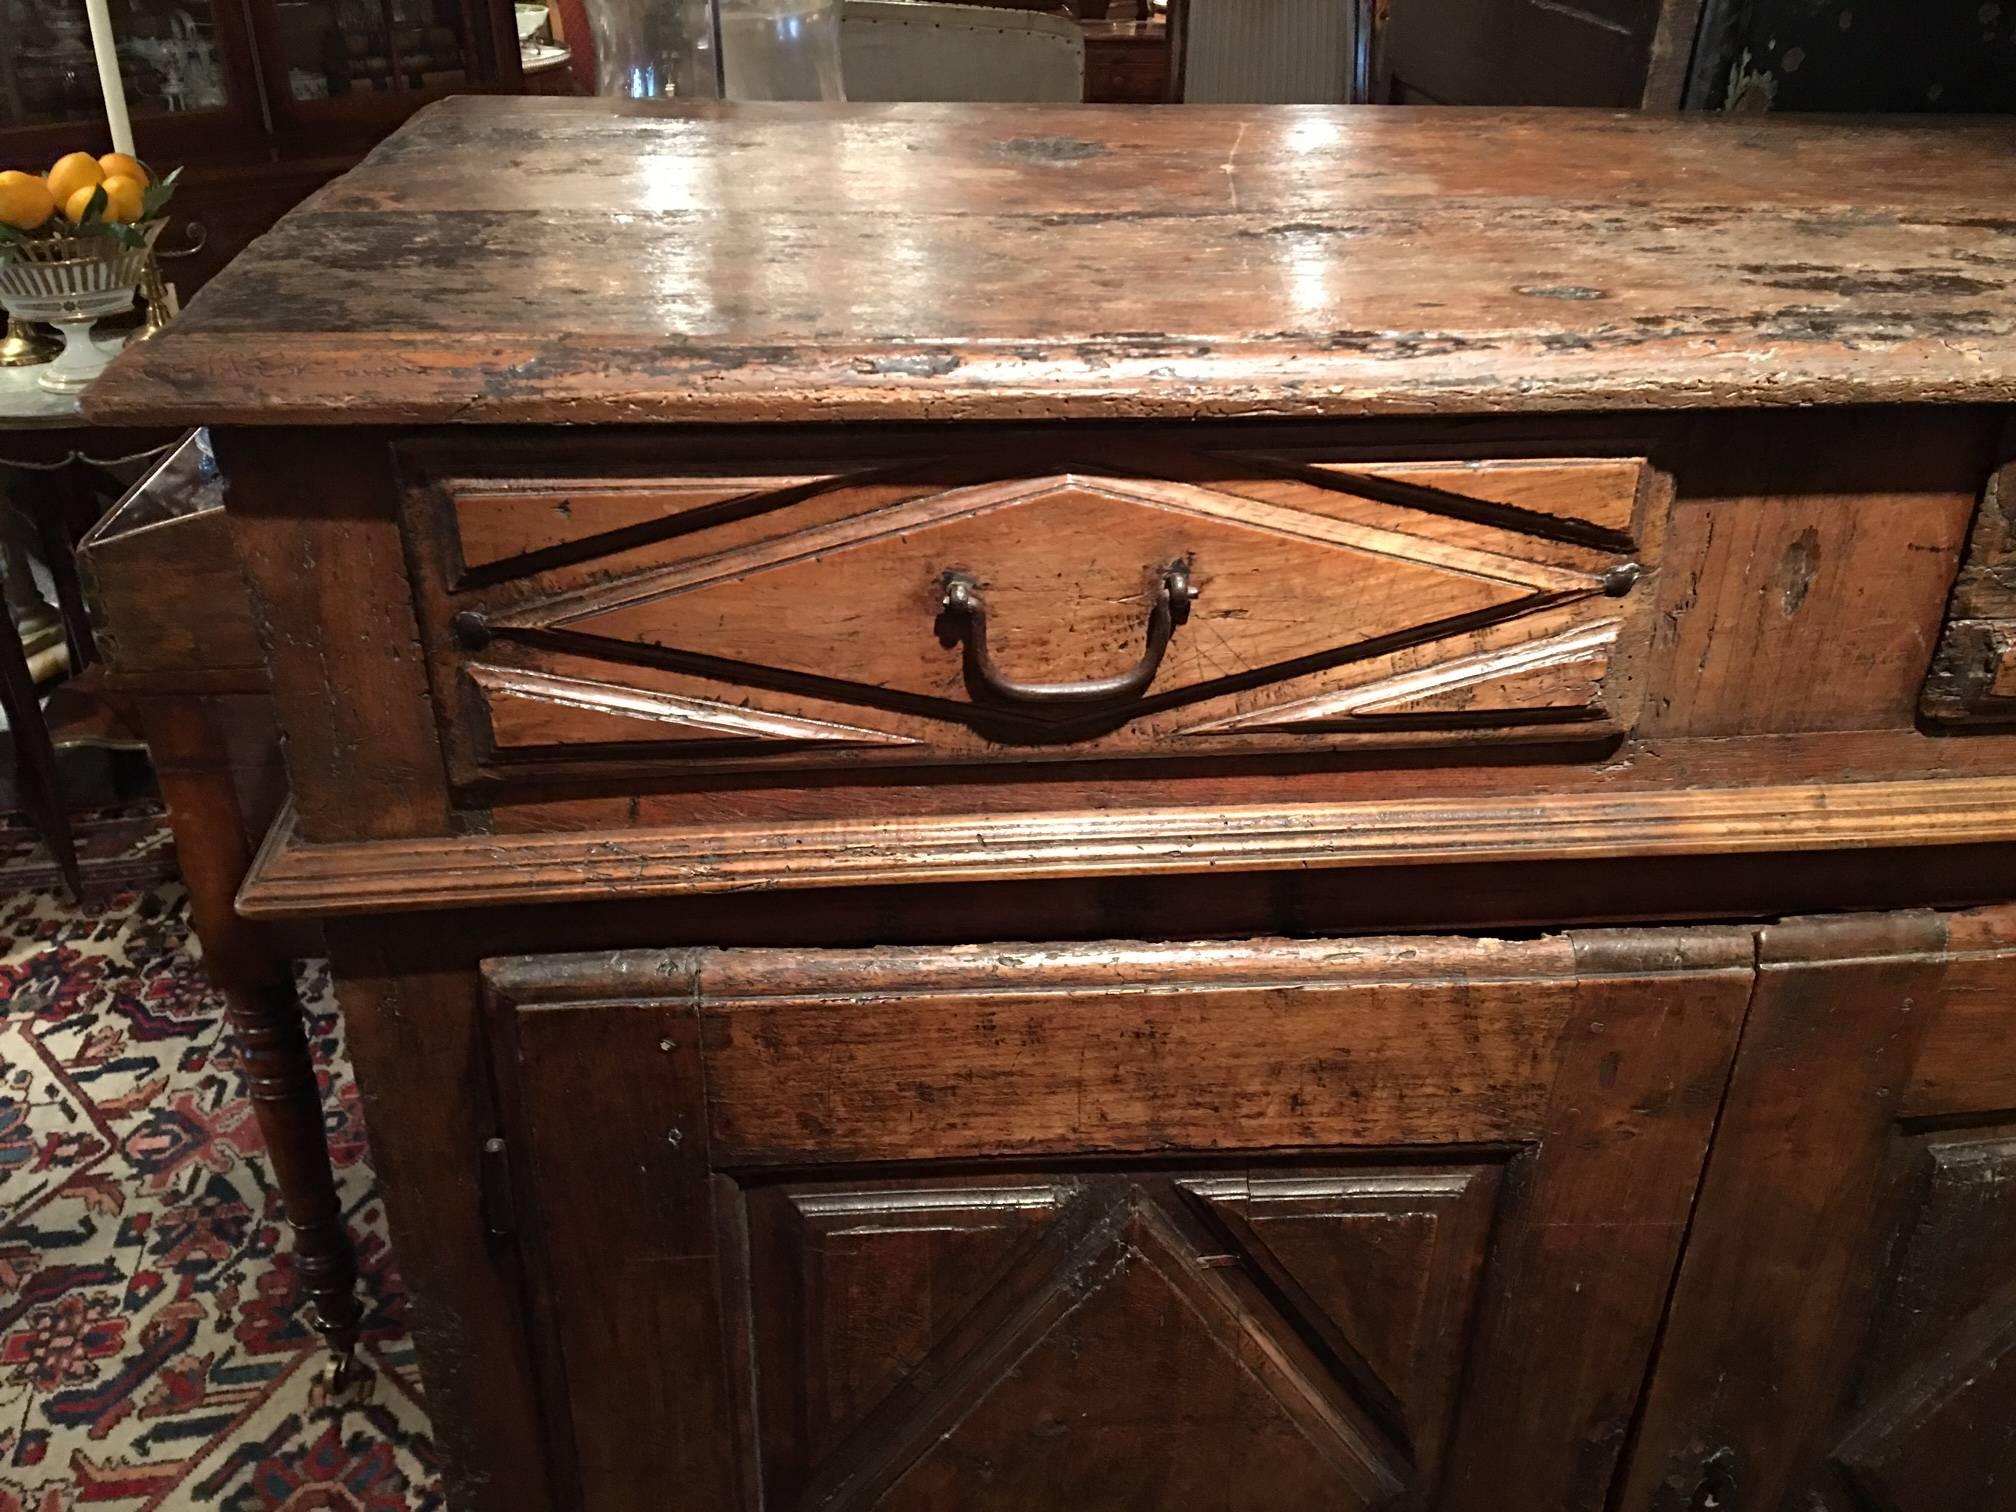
(342, 1376)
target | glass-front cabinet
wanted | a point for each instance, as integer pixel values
(259, 101)
(244, 80)
(333, 65)
(337, 48)
(185, 65)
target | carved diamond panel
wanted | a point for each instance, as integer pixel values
(1937, 1428)
(1067, 564)
(1107, 1341)
(1387, 602)
(531, 711)
(1385, 1266)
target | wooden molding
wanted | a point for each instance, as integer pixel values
(1561, 675)
(295, 879)
(533, 710)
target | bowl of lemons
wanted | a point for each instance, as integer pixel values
(74, 244)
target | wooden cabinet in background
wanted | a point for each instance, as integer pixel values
(1127, 62)
(1625, 54)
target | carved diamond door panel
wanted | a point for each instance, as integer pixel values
(1843, 1336)
(991, 600)
(986, 1343)
(1330, 1224)
(1934, 1423)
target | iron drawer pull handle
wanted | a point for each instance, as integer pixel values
(961, 601)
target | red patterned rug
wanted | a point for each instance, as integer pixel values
(154, 1348)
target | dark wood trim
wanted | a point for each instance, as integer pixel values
(1973, 676)
(416, 1038)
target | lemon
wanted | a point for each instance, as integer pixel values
(119, 165)
(123, 198)
(78, 203)
(76, 170)
(25, 201)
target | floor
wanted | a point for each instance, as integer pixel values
(153, 1346)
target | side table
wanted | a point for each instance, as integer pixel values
(181, 661)
(51, 469)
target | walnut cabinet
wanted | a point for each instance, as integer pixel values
(1379, 876)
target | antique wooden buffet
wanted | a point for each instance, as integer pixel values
(1223, 809)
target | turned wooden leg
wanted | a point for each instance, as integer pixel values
(270, 1029)
(266, 1018)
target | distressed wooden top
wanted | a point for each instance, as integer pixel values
(588, 260)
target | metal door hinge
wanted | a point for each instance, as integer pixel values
(493, 1175)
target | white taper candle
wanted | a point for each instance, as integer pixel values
(108, 76)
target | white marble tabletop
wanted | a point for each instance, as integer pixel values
(24, 403)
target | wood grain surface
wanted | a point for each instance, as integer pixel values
(588, 260)
(291, 877)
(1456, 602)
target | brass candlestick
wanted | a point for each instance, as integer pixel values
(25, 346)
(160, 300)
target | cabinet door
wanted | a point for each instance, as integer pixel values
(1227, 1228)
(1843, 1335)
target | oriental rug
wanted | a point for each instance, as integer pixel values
(154, 1346)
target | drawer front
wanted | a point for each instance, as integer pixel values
(1973, 679)
(1241, 1226)
(1025, 602)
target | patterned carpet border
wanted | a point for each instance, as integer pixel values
(154, 1346)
